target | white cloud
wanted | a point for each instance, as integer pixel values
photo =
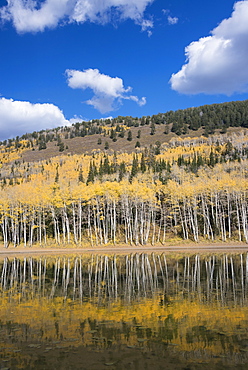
(140, 102)
(76, 119)
(20, 117)
(217, 64)
(35, 16)
(108, 91)
(172, 20)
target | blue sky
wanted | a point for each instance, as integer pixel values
(67, 60)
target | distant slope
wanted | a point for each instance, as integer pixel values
(128, 134)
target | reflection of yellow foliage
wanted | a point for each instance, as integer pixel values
(189, 325)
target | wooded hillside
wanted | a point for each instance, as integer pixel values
(186, 187)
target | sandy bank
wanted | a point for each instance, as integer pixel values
(187, 247)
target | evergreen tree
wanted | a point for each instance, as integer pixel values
(211, 158)
(122, 170)
(57, 176)
(153, 129)
(122, 132)
(42, 145)
(129, 135)
(142, 163)
(91, 174)
(101, 170)
(135, 167)
(113, 135)
(106, 166)
(157, 148)
(80, 176)
(61, 146)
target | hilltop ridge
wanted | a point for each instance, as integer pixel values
(128, 134)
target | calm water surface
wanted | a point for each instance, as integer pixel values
(124, 312)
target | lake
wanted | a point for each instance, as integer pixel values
(138, 311)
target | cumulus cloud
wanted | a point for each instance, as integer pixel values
(217, 64)
(35, 16)
(20, 117)
(108, 91)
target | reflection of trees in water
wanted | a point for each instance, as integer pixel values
(219, 277)
(193, 307)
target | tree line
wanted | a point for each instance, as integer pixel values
(212, 205)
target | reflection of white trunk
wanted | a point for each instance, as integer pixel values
(135, 276)
(75, 277)
(67, 277)
(44, 276)
(242, 276)
(233, 279)
(246, 274)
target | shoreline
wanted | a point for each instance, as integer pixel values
(186, 247)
